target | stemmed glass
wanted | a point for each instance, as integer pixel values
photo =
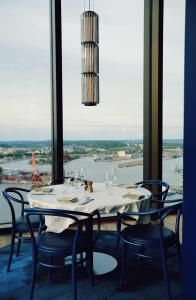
(68, 175)
(83, 174)
(114, 175)
(77, 181)
(110, 178)
(107, 179)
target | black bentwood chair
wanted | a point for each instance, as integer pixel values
(61, 180)
(153, 241)
(68, 243)
(19, 225)
(158, 188)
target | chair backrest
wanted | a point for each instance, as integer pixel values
(161, 214)
(145, 238)
(15, 194)
(158, 188)
(76, 216)
(60, 180)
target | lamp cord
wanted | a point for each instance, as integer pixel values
(89, 4)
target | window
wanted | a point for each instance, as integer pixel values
(110, 134)
(25, 91)
(173, 92)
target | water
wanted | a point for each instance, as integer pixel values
(95, 171)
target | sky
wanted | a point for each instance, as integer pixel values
(25, 70)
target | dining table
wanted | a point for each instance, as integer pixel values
(107, 199)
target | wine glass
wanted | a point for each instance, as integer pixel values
(107, 179)
(83, 174)
(114, 175)
(77, 182)
(68, 176)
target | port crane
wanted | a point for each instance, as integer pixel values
(36, 179)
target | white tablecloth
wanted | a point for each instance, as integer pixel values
(106, 200)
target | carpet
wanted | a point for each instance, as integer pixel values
(145, 278)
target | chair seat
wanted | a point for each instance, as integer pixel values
(63, 242)
(147, 234)
(21, 223)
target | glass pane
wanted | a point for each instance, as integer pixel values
(173, 93)
(110, 134)
(25, 93)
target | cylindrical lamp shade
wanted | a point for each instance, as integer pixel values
(90, 58)
(90, 89)
(90, 27)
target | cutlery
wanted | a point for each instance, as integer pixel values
(43, 194)
(86, 201)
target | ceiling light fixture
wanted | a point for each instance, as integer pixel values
(90, 57)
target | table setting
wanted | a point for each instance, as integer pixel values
(72, 196)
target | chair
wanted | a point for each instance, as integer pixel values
(19, 225)
(60, 180)
(69, 242)
(158, 188)
(153, 241)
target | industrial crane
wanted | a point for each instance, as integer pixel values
(36, 179)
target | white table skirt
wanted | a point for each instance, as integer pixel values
(106, 200)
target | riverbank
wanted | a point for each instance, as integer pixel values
(131, 163)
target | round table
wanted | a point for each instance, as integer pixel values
(105, 199)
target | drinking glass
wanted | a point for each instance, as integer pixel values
(114, 175)
(77, 182)
(67, 177)
(83, 174)
(108, 179)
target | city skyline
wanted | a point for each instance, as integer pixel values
(25, 71)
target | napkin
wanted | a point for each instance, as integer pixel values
(133, 196)
(128, 185)
(66, 199)
(42, 190)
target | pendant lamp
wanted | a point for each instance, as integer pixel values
(90, 57)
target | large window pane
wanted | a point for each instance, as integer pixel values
(173, 92)
(116, 123)
(24, 90)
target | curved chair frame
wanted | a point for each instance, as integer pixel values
(160, 185)
(51, 253)
(154, 198)
(60, 180)
(17, 230)
(139, 245)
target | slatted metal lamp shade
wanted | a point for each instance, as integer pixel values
(90, 58)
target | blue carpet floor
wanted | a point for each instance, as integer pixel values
(145, 278)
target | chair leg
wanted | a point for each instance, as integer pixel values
(179, 252)
(34, 264)
(74, 277)
(11, 251)
(118, 237)
(19, 244)
(50, 269)
(117, 242)
(89, 256)
(165, 272)
(123, 265)
(81, 259)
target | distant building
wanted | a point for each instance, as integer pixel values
(121, 153)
